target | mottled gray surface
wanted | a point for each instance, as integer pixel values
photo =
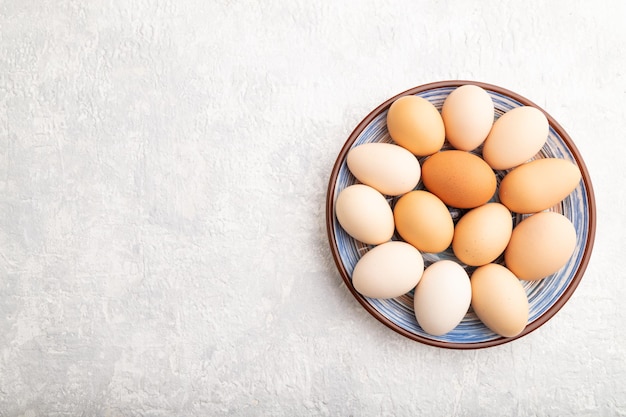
(163, 168)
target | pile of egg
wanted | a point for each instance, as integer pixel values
(459, 178)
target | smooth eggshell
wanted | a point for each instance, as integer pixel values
(499, 300)
(515, 137)
(540, 245)
(388, 270)
(364, 214)
(460, 179)
(415, 124)
(467, 114)
(424, 221)
(481, 235)
(538, 185)
(388, 168)
(442, 297)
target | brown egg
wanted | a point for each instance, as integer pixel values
(540, 245)
(460, 179)
(415, 124)
(499, 300)
(423, 221)
(482, 234)
(538, 185)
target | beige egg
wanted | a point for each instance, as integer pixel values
(415, 124)
(538, 185)
(364, 214)
(388, 168)
(467, 114)
(499, 300)
(460, 179)
(442, 297)
(540, 245)
(515, 137)
(424, 221)
(388, 270)
(481, 235)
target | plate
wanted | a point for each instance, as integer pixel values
(546, 297)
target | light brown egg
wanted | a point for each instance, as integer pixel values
(540, 245)
(515, 137)
(499, 300)
(460, 179)
(423, 221)
(538, 185)
(481, 235)
(415, 124)
(467, 114)
(364, 214)
(388, 168)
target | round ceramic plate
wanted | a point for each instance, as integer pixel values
(545, 296)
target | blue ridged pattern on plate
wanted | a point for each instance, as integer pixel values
(542, 294)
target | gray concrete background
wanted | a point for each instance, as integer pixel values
(163, 169)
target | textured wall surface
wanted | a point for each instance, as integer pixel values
(163, 170)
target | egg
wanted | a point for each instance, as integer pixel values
(482, 234)
(467, 115)
(442, 297)
(388, 168)
(538, 185)
(499, 300)
(415, 124)
(364, 214)
(424, 221)
(515, 137)
(460, 179)
(540, 245)
(388, 270)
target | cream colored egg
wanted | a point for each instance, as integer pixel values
(467, 114)
(538, 185)
(515, 137)
(364, 214)
(540, 245)
(442, 297)
(499, 300)
(424, 221)
(388, 168)
(388, 270)
(481, 235)
(415, 124)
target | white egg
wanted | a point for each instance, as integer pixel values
(364, 214)
(388, 270)
(388, 168)
(442, 297)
